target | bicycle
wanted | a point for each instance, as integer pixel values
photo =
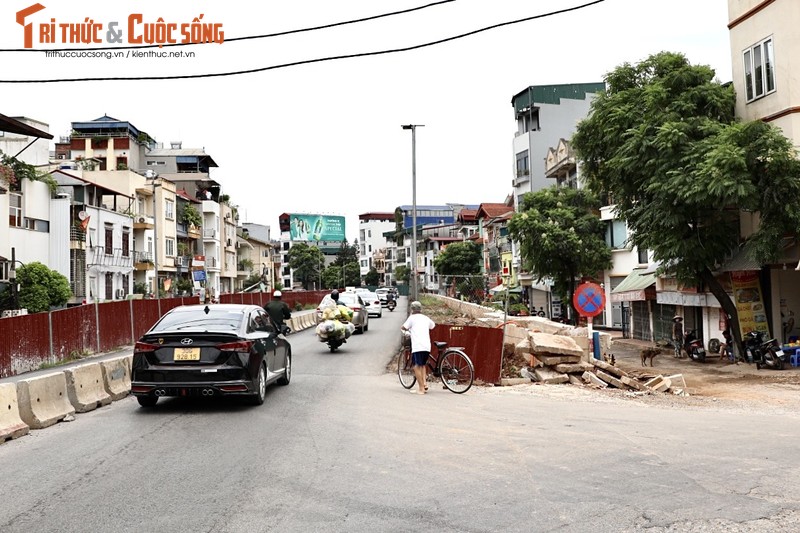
(451, 365)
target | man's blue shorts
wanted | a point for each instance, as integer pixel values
(420, 358)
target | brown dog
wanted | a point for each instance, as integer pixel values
(650, 353)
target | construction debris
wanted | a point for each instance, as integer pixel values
(558, 359)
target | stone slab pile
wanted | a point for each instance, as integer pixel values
(554, 358)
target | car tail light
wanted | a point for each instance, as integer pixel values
(233, 388)
(144, 347)
(238, 346)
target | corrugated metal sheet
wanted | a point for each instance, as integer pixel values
(23, 347)
(74, 330)
(114, 324)
(484, 347)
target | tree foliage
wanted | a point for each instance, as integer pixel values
(372, 277)
(41, 288)
(332, 277)
(401, 273)
(346, 254)
(560, 236)
(459, 259)
(664, 144)
(305, 260)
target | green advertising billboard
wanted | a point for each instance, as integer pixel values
(316, 228)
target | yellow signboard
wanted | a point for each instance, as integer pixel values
(749, 302)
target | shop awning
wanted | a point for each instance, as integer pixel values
(632, 288)
(741, 260)
(501, 288)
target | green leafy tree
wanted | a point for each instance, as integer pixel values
(664, 143)
(41, 288)
(401, 273)
(372, 277)
(399, 234)
(561, 237)
(346, 254)
(332, 277)
(459, 259)
(305, 261)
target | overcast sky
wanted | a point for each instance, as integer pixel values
(325, 137)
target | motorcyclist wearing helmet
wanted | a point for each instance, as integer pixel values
(278, 310)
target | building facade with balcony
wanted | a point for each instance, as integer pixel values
(545, 113)
(372, 243)
(101, 227)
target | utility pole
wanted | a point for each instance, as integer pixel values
(414, 277)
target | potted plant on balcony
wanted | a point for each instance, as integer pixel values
(191, 216)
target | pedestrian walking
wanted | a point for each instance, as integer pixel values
(419, 326)
(677, 335)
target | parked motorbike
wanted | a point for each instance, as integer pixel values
(693, 345)
(764, 353)
(391, 304)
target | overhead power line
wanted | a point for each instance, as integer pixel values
(307, 61)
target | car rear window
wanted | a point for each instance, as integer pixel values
(214, 320)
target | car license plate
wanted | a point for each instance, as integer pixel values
(779, 353)
(187, 354)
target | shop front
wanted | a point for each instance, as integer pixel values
(634, 294)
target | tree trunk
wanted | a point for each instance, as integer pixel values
(574, 312)
(728, 307)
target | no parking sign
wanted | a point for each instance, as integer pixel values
(589, 299)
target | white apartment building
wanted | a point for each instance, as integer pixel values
(374, 251)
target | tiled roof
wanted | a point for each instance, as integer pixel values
(492, 210)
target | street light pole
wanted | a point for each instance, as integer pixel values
(152, 176)
(414, 277)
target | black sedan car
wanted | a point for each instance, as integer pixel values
(210, 350)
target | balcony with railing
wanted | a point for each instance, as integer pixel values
(210, 234)
(99, 256)
(143, 260)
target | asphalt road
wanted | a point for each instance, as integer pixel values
(345, 448)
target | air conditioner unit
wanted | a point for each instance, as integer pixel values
(120, 293)
(141, 220)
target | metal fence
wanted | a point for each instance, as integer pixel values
(474, 289)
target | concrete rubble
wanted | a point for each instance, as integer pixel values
(555, 358)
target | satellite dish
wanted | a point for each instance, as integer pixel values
(82, 215)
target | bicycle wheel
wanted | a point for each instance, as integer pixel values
(405, 369)
(456, 371)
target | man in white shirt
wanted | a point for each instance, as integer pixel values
(419, 327)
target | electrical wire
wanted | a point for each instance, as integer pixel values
(308, 61)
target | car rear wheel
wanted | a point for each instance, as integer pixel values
(147, 401)
(261, 386)
(287, 371)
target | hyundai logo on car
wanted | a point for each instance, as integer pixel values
(186, 341)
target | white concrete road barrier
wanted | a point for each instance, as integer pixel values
(117, 376)
(11, 425)
(86, 387)
(43, 400)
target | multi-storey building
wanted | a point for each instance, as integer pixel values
(765, 55)
(100, 225)
(189, 169)
(33, 226)
(373, 249)
(544, 114)
(257, 258)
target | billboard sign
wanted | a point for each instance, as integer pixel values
(316, 228)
